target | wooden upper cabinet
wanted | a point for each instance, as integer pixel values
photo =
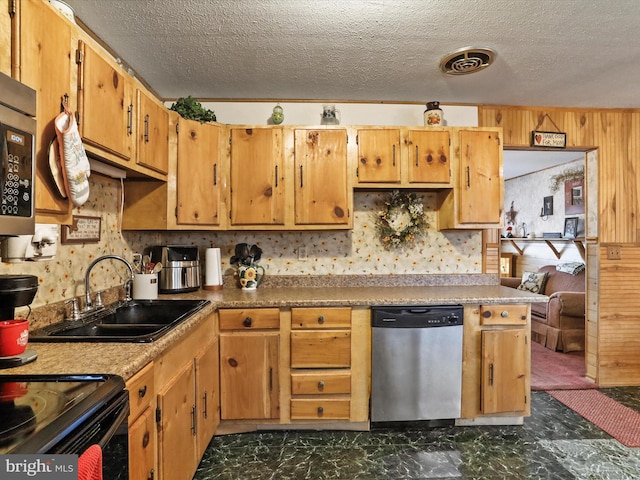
(475, 200)
(45, 39)
(5, 36)
(257, 176)
(153, 133)
(480, 177)
(403, 157)
(378, 156)
(198, 176)
(429, 158)
(322, 191)
(105, 104)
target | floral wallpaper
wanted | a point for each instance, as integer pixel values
(63, 277)
(353, 252)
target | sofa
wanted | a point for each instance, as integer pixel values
(559, 324)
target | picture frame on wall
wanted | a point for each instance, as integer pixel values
(547, 206)
(574, 196)
(570, 227)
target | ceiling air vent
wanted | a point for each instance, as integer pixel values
(467, 60)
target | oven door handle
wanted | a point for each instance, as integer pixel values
(120, 419)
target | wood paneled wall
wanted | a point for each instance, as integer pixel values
(613, 305)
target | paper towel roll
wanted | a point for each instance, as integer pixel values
(213, 269)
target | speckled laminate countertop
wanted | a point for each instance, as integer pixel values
(125, 359)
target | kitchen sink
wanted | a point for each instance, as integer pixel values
(137, 321)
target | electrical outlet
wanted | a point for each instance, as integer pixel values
(302, 253)
(613, 252)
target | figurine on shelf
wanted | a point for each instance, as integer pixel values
(509, 232)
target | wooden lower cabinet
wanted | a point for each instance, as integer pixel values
(142, 447)
(496, 361)
(249, 375)
(142, 427)
(328, 364)
(186, 378)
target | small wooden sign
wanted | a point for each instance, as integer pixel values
(84, 229)
(548, 139)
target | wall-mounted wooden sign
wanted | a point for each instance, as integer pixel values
(84, 229)
(548, 139)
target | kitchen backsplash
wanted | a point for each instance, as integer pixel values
(352, 252)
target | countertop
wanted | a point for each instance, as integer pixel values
(125, 359)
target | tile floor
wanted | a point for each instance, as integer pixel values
(554, 443)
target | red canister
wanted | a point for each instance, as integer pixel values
(14, 335)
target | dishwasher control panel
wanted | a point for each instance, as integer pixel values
(416, 316)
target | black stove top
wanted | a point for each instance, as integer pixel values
(38, 411)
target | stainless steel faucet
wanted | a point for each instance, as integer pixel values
(88, 304)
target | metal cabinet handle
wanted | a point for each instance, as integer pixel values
(417, 156)
(504, 314)
(320, 385)
(130, 119)
(301, 181)
(320, 411)
(276, 176)
(247, 322)
(394, 155)
(194, 430)
(142, 391)
(321, 319)
(152, 475)
(491, 374)
(146, 128)
(468, 176)
(205, 411)
(215, 174)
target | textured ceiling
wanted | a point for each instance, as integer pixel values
(581, 53)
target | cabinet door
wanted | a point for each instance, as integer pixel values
(142, 447)
(198, 173)
(480, 177)
(153, 133)
(257, 176)
(321, 186)
(176, 435)
(105, 105)
(504, 371)
(45, 39)
(207, 395)
(249, 376)
(429, 156)
(378, 156)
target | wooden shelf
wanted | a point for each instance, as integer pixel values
(520, 243)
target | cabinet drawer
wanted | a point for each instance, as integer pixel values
(320, 318)
(321, 349)
(249, 318)
(141, 391)
(503, 314)
(324, 382)
(320, 409)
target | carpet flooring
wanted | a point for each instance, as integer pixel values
(558, 371)
(619, 421)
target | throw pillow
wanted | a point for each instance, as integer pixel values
(533, 281)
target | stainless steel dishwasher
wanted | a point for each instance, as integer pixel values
(416, 370)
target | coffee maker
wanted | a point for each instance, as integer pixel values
(16, 291)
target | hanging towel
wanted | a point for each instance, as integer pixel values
(90, 464)
(76, 169)
(572, 268)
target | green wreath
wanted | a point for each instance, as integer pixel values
(392, 236)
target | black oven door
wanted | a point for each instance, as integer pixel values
(107, 428)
